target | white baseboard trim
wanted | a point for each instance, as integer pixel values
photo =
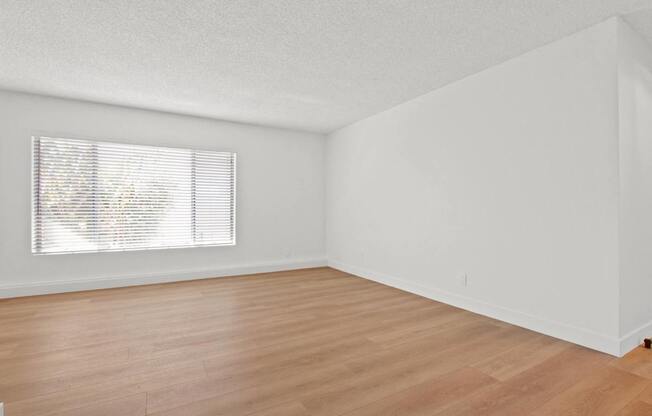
(635, 338)
(580, 336)
(42, 288)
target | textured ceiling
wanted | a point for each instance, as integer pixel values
(307, 64)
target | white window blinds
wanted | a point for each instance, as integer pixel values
(93, 196)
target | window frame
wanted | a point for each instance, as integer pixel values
(35, 204)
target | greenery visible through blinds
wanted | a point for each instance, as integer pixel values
(93, 196)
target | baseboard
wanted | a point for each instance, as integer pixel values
(559, 330)
(42, 288)
(635, 338)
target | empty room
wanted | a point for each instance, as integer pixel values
(325, 208)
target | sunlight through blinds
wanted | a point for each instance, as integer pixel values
(91, 196)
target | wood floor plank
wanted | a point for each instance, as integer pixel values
(433, 346)
(50, 365)
(374, 382)
(522, 357)
(636, 408)
(646, 395)
(70, 399)
(259, 367)
(127, 406)
(123, 373)
(526, 392)
(602, 393)
(314, 342)
(429, 397)
(263, 396)
(638, 362)
(285, 409)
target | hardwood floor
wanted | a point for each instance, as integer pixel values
(303, 343)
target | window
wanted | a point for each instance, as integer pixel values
(93, 196)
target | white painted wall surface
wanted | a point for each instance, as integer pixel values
(509, 176)
(280, 196)
(635, 117)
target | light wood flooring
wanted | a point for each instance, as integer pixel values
(312, 342)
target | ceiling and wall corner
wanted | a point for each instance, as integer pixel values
(307, 65)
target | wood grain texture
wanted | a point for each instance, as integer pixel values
(314, 342)
(636, 408)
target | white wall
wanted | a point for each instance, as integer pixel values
(279, 204)
(635, 117)
(509, 176)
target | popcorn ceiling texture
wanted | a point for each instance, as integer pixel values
(305, 64)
